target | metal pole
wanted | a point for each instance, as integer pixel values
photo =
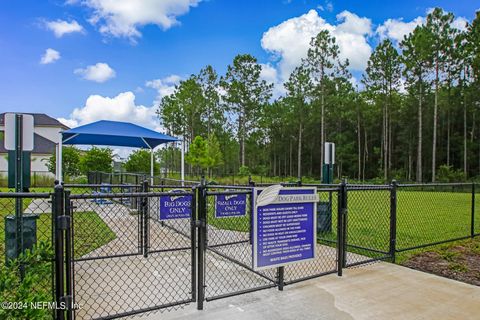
(472, 225)
(68, 257)
(281, 277)
(183, 162)
(393, 220)
(340, 228)
(19, 184)
(60, 159)
(58, 207)
(145, 220)
(151, 166)
(202, 234)
(252, 209)
(193, 243)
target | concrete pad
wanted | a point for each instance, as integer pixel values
(376, 291)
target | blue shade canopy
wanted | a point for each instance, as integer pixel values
(114, 133)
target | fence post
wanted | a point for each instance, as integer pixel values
(193, 242)
(393, 220)
(251, 183)
(58, 208)
(145, 214)
(342, 208)
(472, 226)
(68, 298)
(281, 278)
(202, 239)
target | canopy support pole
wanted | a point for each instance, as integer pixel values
(183, 162)
(59, 160)
(151, 166)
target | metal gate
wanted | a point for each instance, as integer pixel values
(130, 262)
(225, 251)
(368, 233)
(126, 260)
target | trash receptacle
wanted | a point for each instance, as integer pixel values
(29, 234)
(324, 216)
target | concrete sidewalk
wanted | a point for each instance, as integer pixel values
(377, 291)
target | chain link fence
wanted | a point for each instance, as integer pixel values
(125, 259)
(33, 211)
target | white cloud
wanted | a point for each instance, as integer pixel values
(119, 108)
(62, 27)
(71, 123)
(99, 72)
(289, 41)
(50, 56)
(270, 75)
(397, 29)
(164, 86)
(460, 23)
(122, 18)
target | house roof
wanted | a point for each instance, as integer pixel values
(41, 144)
(39, 119)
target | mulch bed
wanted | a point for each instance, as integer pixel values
(459, 261)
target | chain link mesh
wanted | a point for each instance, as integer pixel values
(114, 273)
(432, 213)
(228, 259)
(368, 223)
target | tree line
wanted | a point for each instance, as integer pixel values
(415, 116)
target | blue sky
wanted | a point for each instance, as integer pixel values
(113, 59)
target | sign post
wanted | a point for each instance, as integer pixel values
(18, 138)
(284, 227)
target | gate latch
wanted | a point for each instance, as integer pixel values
(63, 222)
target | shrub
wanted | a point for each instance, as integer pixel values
(448, 174)
(244, 171)
(34, 287)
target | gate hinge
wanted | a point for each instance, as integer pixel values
(63, 222)
(68, 300)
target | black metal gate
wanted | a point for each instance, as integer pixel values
(368, 217)
(127, 261)
(225, 251)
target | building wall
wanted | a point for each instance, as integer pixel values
(38, 163)
(50, 133)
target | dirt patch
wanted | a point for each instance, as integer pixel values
(459, 261)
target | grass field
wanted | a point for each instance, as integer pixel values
(423, 217)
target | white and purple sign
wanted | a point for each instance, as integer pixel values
(176, 206)
(284, 226)
(230, 205)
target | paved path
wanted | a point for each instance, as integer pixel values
(378, 291)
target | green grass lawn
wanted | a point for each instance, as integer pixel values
(422, 217)
(91, 232)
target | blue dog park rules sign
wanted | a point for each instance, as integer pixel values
(284, 226)
(230, 205)
(176, 206)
